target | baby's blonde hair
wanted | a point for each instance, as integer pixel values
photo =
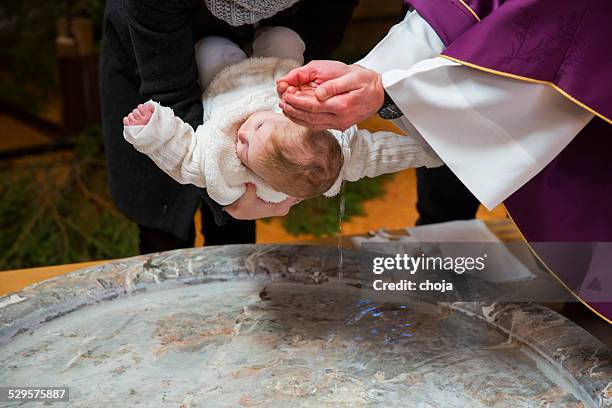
(306, 168)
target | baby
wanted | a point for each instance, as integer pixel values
(246, 139)
(292, 159)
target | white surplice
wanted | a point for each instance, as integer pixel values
(495, 133)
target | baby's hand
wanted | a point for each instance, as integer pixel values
(139, 116)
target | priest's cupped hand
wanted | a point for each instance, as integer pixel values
(330, 94)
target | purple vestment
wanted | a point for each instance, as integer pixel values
(568, 45)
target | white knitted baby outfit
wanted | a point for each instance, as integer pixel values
(207, 157)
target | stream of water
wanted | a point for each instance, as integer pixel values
(341, 212)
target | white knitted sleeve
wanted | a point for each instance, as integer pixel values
(368, 154)
(171, 144)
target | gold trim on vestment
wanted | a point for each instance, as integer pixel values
(551, 272)
(535, 81)
(470, 10)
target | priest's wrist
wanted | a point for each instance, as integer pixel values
(376, 91)
(381, 94)
(389, 110)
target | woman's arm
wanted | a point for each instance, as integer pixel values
(163, 46)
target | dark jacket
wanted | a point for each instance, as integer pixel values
(147, 53)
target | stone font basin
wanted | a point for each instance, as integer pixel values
(274, 326)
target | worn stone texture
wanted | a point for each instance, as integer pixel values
(275, 326)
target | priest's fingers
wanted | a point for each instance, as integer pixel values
(296, 120)
(298, 76)
(340, 105)
(308, 125)
(281, 87)
(315, 71)
(338, 86)
(317, 120)
(305, 102)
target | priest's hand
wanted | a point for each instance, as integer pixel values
(251, 207)
(330, 94)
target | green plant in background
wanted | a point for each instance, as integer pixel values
(58, 210)
(321, 216)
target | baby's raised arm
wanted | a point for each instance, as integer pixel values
(370, 154)
(171, 143)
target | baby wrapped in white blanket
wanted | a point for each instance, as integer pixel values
(246, 139)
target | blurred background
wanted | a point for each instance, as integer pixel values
(56, 207)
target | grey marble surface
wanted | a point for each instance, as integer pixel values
(272, 326)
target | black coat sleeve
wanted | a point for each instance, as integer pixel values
(165, 59)
(321, 24)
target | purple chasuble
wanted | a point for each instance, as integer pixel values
(568, 45)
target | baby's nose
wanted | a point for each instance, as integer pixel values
(242, 136)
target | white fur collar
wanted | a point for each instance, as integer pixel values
(235, 93)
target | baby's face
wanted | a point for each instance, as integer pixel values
(253, 136)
